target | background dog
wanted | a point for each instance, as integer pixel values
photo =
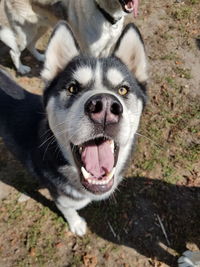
(97, 24)
(21, 25)
(93, 106)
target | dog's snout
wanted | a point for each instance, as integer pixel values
(104, 109)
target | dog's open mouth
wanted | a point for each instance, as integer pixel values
(96, 160)
(128, 5)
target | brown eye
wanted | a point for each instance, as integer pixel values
(73, 89)
(123, 91)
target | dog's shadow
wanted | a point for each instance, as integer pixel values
(148, 215)
(198, 42)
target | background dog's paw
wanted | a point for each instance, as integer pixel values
(24, 69)
(78, 227)
(189, 259)
(40, 57)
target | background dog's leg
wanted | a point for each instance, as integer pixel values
(8, 38)
(68, 207)
(31, 46)
(15, 55)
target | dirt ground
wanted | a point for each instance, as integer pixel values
(155, 214)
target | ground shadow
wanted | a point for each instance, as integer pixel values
(198, 42)
(131, 218)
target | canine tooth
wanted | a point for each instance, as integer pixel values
(109, 177)
(80, 149)
(85, 173)
(112, 145)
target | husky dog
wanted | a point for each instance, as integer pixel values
(96, 23)
(93, 106)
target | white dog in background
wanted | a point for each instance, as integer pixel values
(20, 28)
(97, 24)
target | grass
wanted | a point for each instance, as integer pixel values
(171, 56)
(171, 82)
(183, 72)
(181, 13)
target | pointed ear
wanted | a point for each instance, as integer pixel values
(61, 49)
(130, 49)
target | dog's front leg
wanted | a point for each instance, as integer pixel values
(68, 207)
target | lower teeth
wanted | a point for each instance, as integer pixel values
(104, 182)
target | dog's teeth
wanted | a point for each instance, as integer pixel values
(112, 145)
(96, 182)
(80, 149)
(85, 173)
(109, 177)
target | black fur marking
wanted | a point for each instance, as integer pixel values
(65, 78)
(106, 15)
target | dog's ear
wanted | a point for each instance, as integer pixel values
(62, 47)
(130, 49)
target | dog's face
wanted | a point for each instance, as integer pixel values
(94, 107)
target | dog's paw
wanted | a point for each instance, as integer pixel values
(78, 227)
(24, 69)
(189, 259)
(40, 57)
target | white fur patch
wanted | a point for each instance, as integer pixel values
(83, 75)
(115, 77)
(7, 37)
(98, 77)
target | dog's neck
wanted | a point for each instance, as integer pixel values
(111, 10)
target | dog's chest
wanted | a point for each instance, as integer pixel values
(102, 47)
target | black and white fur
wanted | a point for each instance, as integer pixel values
(97, 24)
(96, 109)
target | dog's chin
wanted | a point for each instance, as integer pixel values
(127, 5)
(96, 161)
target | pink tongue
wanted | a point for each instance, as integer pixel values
(98, 159)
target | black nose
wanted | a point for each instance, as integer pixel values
(104, 109)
